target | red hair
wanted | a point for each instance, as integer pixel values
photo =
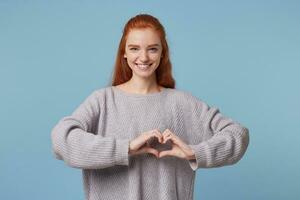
(122, 72)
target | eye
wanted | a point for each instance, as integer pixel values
(153, 49)
(133, 49)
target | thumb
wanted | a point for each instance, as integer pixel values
(147, 149)
(166, 153)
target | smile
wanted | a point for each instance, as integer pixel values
(143, 66)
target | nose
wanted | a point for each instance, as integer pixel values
(144, 56)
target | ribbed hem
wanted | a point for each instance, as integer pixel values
(200, 155)
(121, 156)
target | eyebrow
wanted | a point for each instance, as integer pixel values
(134, 45)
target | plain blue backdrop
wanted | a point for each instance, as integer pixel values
(241, 56)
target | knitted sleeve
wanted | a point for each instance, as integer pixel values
(75, 142)
(225, 141)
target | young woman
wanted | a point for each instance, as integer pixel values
(140, 138)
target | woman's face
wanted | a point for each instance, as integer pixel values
(143, 52)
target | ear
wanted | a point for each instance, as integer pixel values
(125, 55)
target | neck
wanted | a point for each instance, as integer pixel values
(143, 86)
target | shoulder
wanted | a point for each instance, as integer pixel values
(195, 107)
(189, 102)
(100, 92)
(96, 95)
(185, 96)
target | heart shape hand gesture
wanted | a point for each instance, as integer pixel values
(144, 144)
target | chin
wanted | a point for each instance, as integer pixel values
(143, 75)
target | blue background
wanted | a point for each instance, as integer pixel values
(241, 56)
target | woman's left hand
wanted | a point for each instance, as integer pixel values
(179, 148)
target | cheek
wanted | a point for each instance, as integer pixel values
(131, 58)
(155, 57)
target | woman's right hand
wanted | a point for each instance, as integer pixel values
(141, 144)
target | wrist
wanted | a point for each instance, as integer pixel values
(191, 156)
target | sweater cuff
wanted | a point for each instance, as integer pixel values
(200, 155)
(121, 156)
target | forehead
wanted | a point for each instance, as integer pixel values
(145, 36)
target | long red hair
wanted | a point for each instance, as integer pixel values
(122, 72)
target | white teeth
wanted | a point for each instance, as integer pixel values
(143, 66)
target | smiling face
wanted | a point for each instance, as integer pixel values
(143, 52)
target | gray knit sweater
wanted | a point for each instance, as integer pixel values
(95, 138)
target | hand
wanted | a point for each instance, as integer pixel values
(179, 148)
(141, 144)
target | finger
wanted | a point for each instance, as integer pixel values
(148, 150)
(152, 151)
(155, 134)
(174, 139)
(140, 141)
(179, 143)
(166, 134)
(166, 139)
(158, 136)
(169, 137)
(149, 137)
(155, 131)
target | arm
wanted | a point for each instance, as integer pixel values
(74, 142)
(226, 140)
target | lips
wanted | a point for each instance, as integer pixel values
(143, 66)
